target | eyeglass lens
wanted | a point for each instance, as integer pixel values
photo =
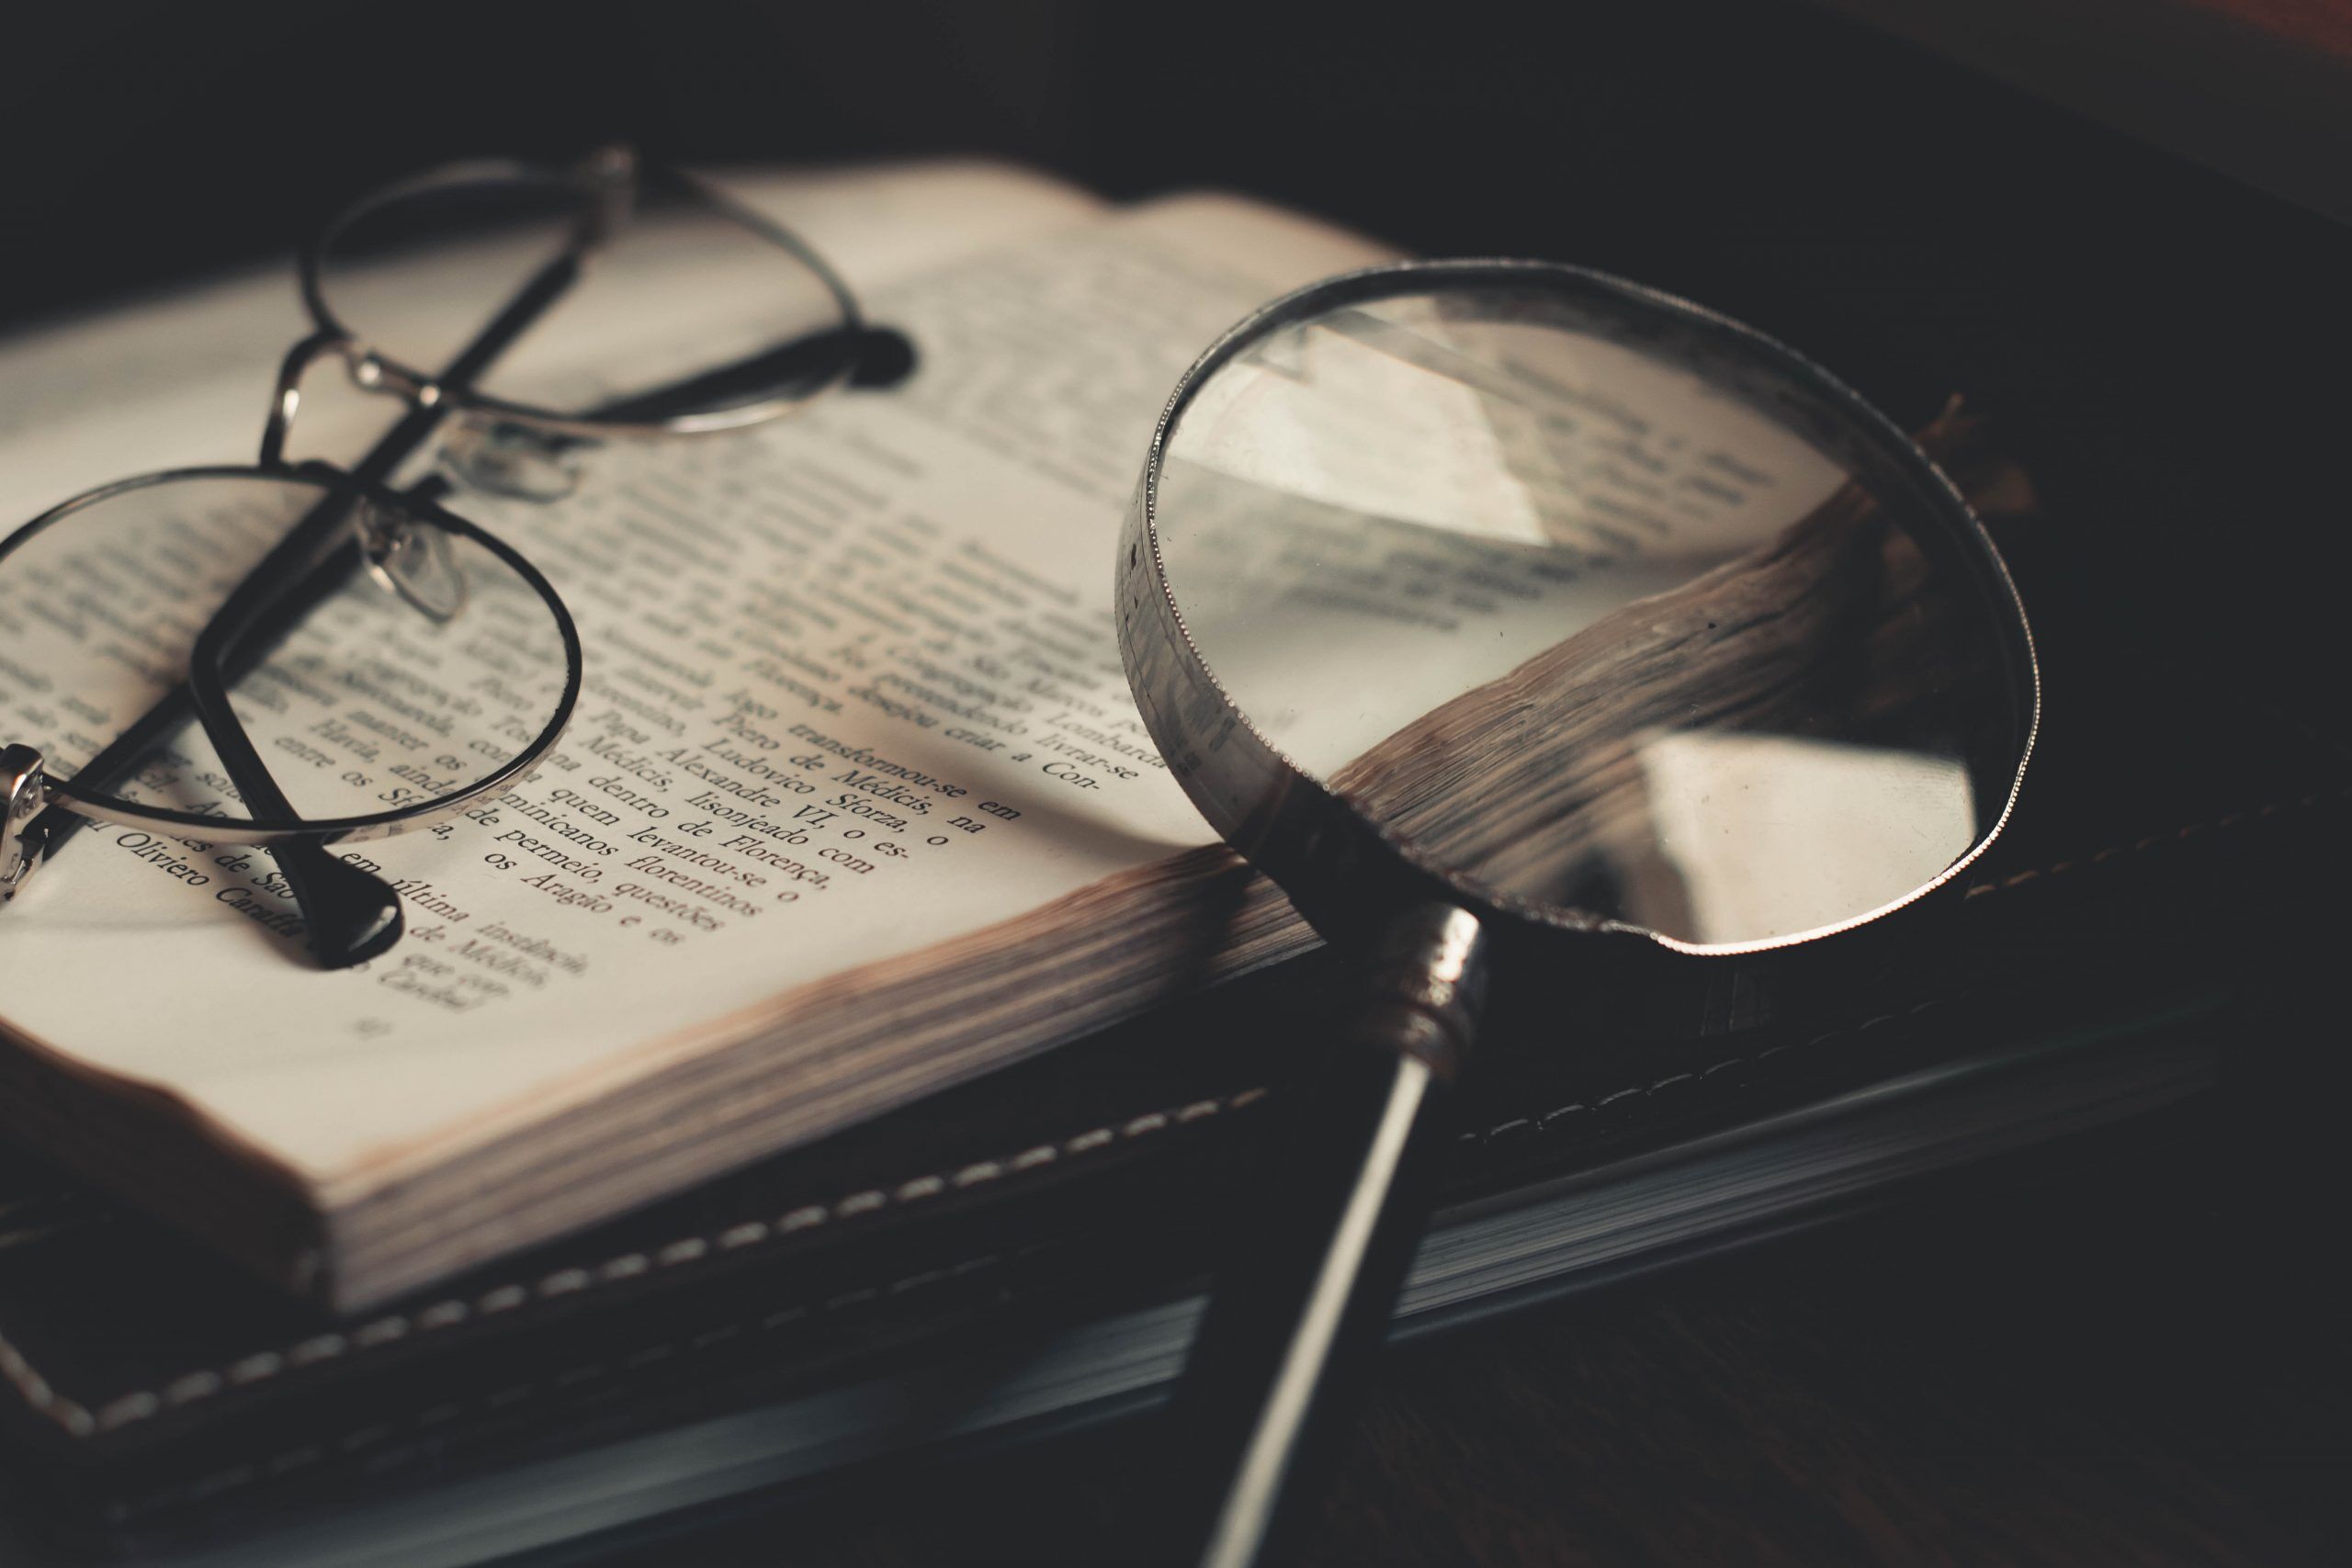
(683, 308)
(410, 664)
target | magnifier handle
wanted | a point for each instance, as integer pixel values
(1274, 1373)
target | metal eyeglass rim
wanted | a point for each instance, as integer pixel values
(30, 791)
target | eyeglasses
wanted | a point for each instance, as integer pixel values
(294, 655)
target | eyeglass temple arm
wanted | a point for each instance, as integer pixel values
(882, 357)
(350, 915)
(349, 907)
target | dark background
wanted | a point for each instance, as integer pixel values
(2162, 347)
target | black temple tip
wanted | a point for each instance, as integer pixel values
(886, 356)
(352, 915)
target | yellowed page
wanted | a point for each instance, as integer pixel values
(852, 691)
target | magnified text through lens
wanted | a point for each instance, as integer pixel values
(1586, 616)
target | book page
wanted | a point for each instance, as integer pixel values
(1370, 512)
(851, 691)
(185, 379)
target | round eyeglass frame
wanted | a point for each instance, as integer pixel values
(375, 370)
(105, 808)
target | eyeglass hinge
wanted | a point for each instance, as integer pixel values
(24, 790)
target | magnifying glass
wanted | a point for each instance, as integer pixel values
(1537, 632)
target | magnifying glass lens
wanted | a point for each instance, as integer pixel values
(1516, 618)
(1591, 610)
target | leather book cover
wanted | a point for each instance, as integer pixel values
(152, 1395)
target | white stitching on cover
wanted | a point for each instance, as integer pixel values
(130, 1408)
(2140, 846)
(78, 1421)
(67, 1413)
(1640, 1091)
(218, 1482)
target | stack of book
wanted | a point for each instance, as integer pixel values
(851, 1042)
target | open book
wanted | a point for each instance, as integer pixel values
(856, 804)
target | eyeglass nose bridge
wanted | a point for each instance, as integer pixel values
(287, 400)
(368, 372)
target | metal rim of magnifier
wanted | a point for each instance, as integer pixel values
(380, 369)
(100, 806)
(1338, 863)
